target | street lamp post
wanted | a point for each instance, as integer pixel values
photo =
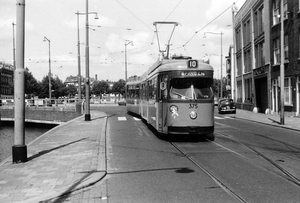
(221, 33)
(49, 74)
(78, 57)
(14, 46)
(87, 116)
(281, 65)
(19, 149)
(127, 42)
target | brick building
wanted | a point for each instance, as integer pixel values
(257, 56)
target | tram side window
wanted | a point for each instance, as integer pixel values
(191, 88)
(162, 88)
(133, 91)
(152, 88)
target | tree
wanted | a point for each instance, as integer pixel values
(100, 87)
(119, 87)
(32, 86)
(70, 90)
(217, 86)
(57, 87)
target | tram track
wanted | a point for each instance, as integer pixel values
(207, 172)
(287, 175)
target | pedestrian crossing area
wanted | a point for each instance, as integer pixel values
(124, 118)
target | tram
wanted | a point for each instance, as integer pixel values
(174, 96)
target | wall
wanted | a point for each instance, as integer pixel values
(42, 116)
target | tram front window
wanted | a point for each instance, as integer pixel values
(191, 88)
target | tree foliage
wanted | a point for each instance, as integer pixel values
(32, 86)
(100, 87)
(119, 87)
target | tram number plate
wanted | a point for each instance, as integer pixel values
(192, 63)
(193, 106)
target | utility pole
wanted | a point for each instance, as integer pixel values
(282, 65)
(78, 58)
(49, 73)
(87, 115)
(14, 46)
(19, 149)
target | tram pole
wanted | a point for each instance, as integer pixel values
(282, 65)
(87, 116)
(19, 149)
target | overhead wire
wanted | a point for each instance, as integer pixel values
(134, 15)
(172, 10)
(196, 32)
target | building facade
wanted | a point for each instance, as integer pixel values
(257, 56)
(6, 81)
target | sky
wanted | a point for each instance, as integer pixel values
(118, 21)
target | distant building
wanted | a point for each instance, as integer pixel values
(6, 81)
(256, 61)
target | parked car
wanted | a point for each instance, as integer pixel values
(226, 106)
(122, 103)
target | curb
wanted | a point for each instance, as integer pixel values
(278, 126)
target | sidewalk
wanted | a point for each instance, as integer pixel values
(65, 159)
(274, 120)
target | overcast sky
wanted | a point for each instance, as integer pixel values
(119, 20)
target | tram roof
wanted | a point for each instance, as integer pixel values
(166, 65)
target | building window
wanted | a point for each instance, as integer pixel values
(239, 91)
(276, 16)
(259, 55)
(286, 47)
(276, 11)
(247, 61)
(285, 9)
(238, 39)
(287, 91)
(239, 64)
(248, 90)
(276, 51)
(259, 21)
(246, 33)
(299, 40)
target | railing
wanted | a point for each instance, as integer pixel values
(43, 104)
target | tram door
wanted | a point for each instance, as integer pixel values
(162, 96)
(144, 103)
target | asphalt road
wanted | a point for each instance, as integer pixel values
(247, 162)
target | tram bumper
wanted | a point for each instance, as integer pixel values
(190, 130)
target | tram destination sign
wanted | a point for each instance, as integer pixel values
(192, 73)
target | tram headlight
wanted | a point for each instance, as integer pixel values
(193, 115)
(173, 108)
